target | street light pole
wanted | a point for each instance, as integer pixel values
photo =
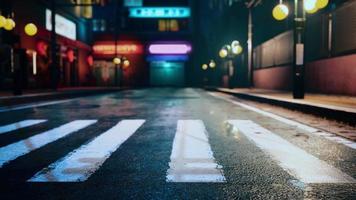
(54, 64)
(250, 5)
(249, 48)
(299, 37)
(117, 66)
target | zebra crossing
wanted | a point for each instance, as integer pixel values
(81, 163)
(19, 125)
(192, 158)
(15, 150)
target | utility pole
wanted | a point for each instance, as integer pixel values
(54, 62)
(250, 5)
(250, 49)
(299, 38)
(117, 66)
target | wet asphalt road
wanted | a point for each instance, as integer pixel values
(138, 168)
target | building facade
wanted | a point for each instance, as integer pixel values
(29, 57)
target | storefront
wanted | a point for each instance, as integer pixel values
(107, 73)
(168, 62)
(32, 54)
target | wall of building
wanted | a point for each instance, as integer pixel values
(329, 76)
(30, 12)
(333, 75)
(330, 57)
(276, 78)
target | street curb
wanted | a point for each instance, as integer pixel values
(333, 114)
(60, 95)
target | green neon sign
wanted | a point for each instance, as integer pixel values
(159, 12)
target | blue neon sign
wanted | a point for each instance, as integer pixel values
(151, 58)
(159, 12)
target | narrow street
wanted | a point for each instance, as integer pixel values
(168, 143)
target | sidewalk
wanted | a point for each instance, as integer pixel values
(335, 107)
(31, 96)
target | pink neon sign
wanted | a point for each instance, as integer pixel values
(169, 48)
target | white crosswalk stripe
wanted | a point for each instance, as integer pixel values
(192, 159)
(81, 163)
(312, 130)
(298, 163)
(20, 125)
(15, 150)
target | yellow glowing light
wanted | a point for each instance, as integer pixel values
(310, 6)
(223, 53)
(204, 66)
(117, 61)
(280, 12)
(126, 64)
(312, 11)
(2, 21)
(9, 24)
(235, 43)
(212, 64)
(322, 3)
(237, 49)
(31, 29)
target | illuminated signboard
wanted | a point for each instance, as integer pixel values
(133, 3)
(166, 48)
(160, 12)
(108, 48)
(167, 58)
(165, 64)
(64, 27)
(168, 25)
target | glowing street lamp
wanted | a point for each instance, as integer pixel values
(223, 53)
(229, 52)
(204, 66)
(126, 64)
(212, 64)
(320, 4)
(301, 7)
(280, 11)
(2, 21)
(236, 48)
(31, 29)
(310, 6)
(9, 24)
(117, 61)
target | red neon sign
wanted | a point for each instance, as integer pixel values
(70, 55)
(108, 48)
(90, 60)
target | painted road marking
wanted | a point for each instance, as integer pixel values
(15, 150)
(81, 163)
(326, 135)
(32, 105)
(192, 159)
(19, 125)
(297, 162)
